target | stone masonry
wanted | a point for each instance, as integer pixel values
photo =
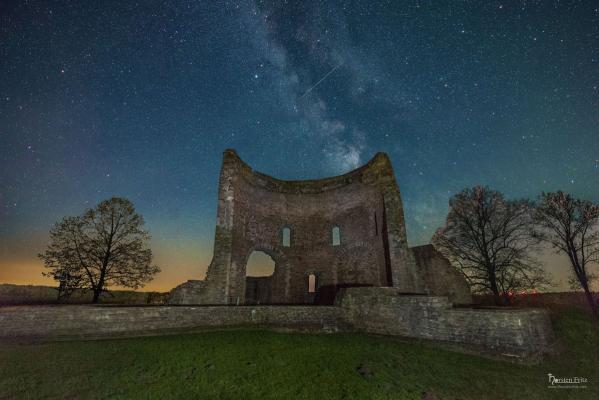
(364, 207)
(516, 333)
(341, 241)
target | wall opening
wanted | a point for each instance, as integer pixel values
(336, 236)
(376, 225)
(259, 270)
(311, 283)
(286, 237)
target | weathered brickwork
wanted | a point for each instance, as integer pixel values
(377, 283)
(258, 290)
(364, 205)
(517, 332)
(98, 321)
(520, 333)
(440, 277)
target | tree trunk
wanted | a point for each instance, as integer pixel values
(96, 295)
(98, 289)
(495, 290)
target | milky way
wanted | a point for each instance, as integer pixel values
(140, 100)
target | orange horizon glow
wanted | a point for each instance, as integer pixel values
(182, 259)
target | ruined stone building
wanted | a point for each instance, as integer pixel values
(338, 242)
(325, 234)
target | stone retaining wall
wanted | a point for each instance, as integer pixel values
(96, 321)
(519, 333)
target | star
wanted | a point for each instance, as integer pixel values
(487, 94)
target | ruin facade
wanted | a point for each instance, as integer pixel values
(339, 241)
(323, 235)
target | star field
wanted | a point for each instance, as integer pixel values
(140, 100)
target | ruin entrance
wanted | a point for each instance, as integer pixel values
(259, 271)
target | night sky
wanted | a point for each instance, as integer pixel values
(114, 98)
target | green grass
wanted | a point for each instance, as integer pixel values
(246, 364)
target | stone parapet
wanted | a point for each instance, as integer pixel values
(517, 332)
(83, 321)
(513, 332)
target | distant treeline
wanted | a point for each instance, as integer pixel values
(32, 294)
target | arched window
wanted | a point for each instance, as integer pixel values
(311, 283)
(259, 264)
(336, 236)
(286, 237)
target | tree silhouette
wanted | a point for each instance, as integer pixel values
(489, 239)
(106, 246)
(571, 226)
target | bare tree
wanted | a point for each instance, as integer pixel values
(105, 246)
(489, 239)
(571, 226)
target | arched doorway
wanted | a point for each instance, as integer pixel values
(259, 271)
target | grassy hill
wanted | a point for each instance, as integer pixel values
(246, 364)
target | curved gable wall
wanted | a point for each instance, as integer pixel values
(253, 209)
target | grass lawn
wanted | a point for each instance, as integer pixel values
(246, 364)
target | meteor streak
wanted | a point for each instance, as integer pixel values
(318, 83)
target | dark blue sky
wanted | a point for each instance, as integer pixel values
(140, 100)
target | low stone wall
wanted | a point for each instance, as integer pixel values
(97, 321)
(519, 333)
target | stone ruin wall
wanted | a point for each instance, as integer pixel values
(262, 215)
(252, 211)
(365, 204)
(440, 277)
(515, 333)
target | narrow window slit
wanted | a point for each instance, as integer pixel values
(311, 283)
(286, 237)
(336, 236)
